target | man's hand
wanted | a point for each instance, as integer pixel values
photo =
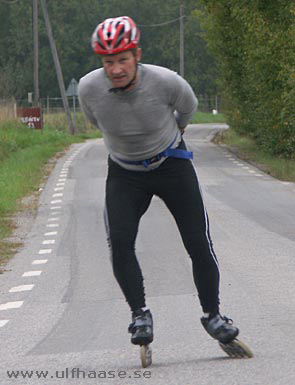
(181, 129)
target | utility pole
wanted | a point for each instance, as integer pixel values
(181, 40)
(57, 67)
(36, 53)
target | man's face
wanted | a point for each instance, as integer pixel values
(121, 68)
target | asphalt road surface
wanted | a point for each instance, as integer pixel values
(63, 319)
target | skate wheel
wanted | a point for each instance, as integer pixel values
(145, 355)
(236, 349)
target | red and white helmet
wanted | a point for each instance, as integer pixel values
(115, 35)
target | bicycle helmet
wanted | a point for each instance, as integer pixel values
(115, 35)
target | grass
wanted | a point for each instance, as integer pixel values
(59, 122)
(246, 149)
(24, 159)
(206, 117)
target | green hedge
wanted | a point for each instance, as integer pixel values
(253, 42)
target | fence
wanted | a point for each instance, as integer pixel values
(53, 111)
(207, 103)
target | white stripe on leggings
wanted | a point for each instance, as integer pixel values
(107, 228)
(207, 223)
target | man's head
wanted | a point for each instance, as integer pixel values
(116, 40)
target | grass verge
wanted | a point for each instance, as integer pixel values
(246, 149)
(206, 117)
(26, 158)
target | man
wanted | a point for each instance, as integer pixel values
(142, 111)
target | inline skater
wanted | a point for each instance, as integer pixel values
(142, 111)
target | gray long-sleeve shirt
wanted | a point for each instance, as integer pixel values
(140, 123)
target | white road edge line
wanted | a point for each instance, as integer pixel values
(17, 289)
(34, 273)
(50, 233)
(39, 261)
(45, 251)
(11, 305)
(48, 242)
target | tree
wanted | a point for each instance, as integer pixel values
(73, 22)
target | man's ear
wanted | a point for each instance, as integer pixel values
(138, 54)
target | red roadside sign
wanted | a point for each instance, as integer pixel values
(32, 117)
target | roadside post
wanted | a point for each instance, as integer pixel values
(72, 90)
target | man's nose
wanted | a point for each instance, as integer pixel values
(116, 68)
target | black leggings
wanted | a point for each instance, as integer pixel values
(128, 195)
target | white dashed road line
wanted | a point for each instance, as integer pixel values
(39, 261)
(53, 219)
(11, 305)
(56, 201)
(55, 205)
(48, 242)
(50, 233)
(18, 289)
(238, 163)
(57, 195)
(34, 273)
(45, 251)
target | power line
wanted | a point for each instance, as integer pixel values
(9, 1)
(165, 23)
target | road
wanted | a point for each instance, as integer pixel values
(61, 311)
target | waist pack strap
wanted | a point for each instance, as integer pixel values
(169, 152)
(178, 153)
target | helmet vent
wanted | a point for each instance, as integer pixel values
(120, 37)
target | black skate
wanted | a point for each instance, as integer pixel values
(222, 329)
(141, 329)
